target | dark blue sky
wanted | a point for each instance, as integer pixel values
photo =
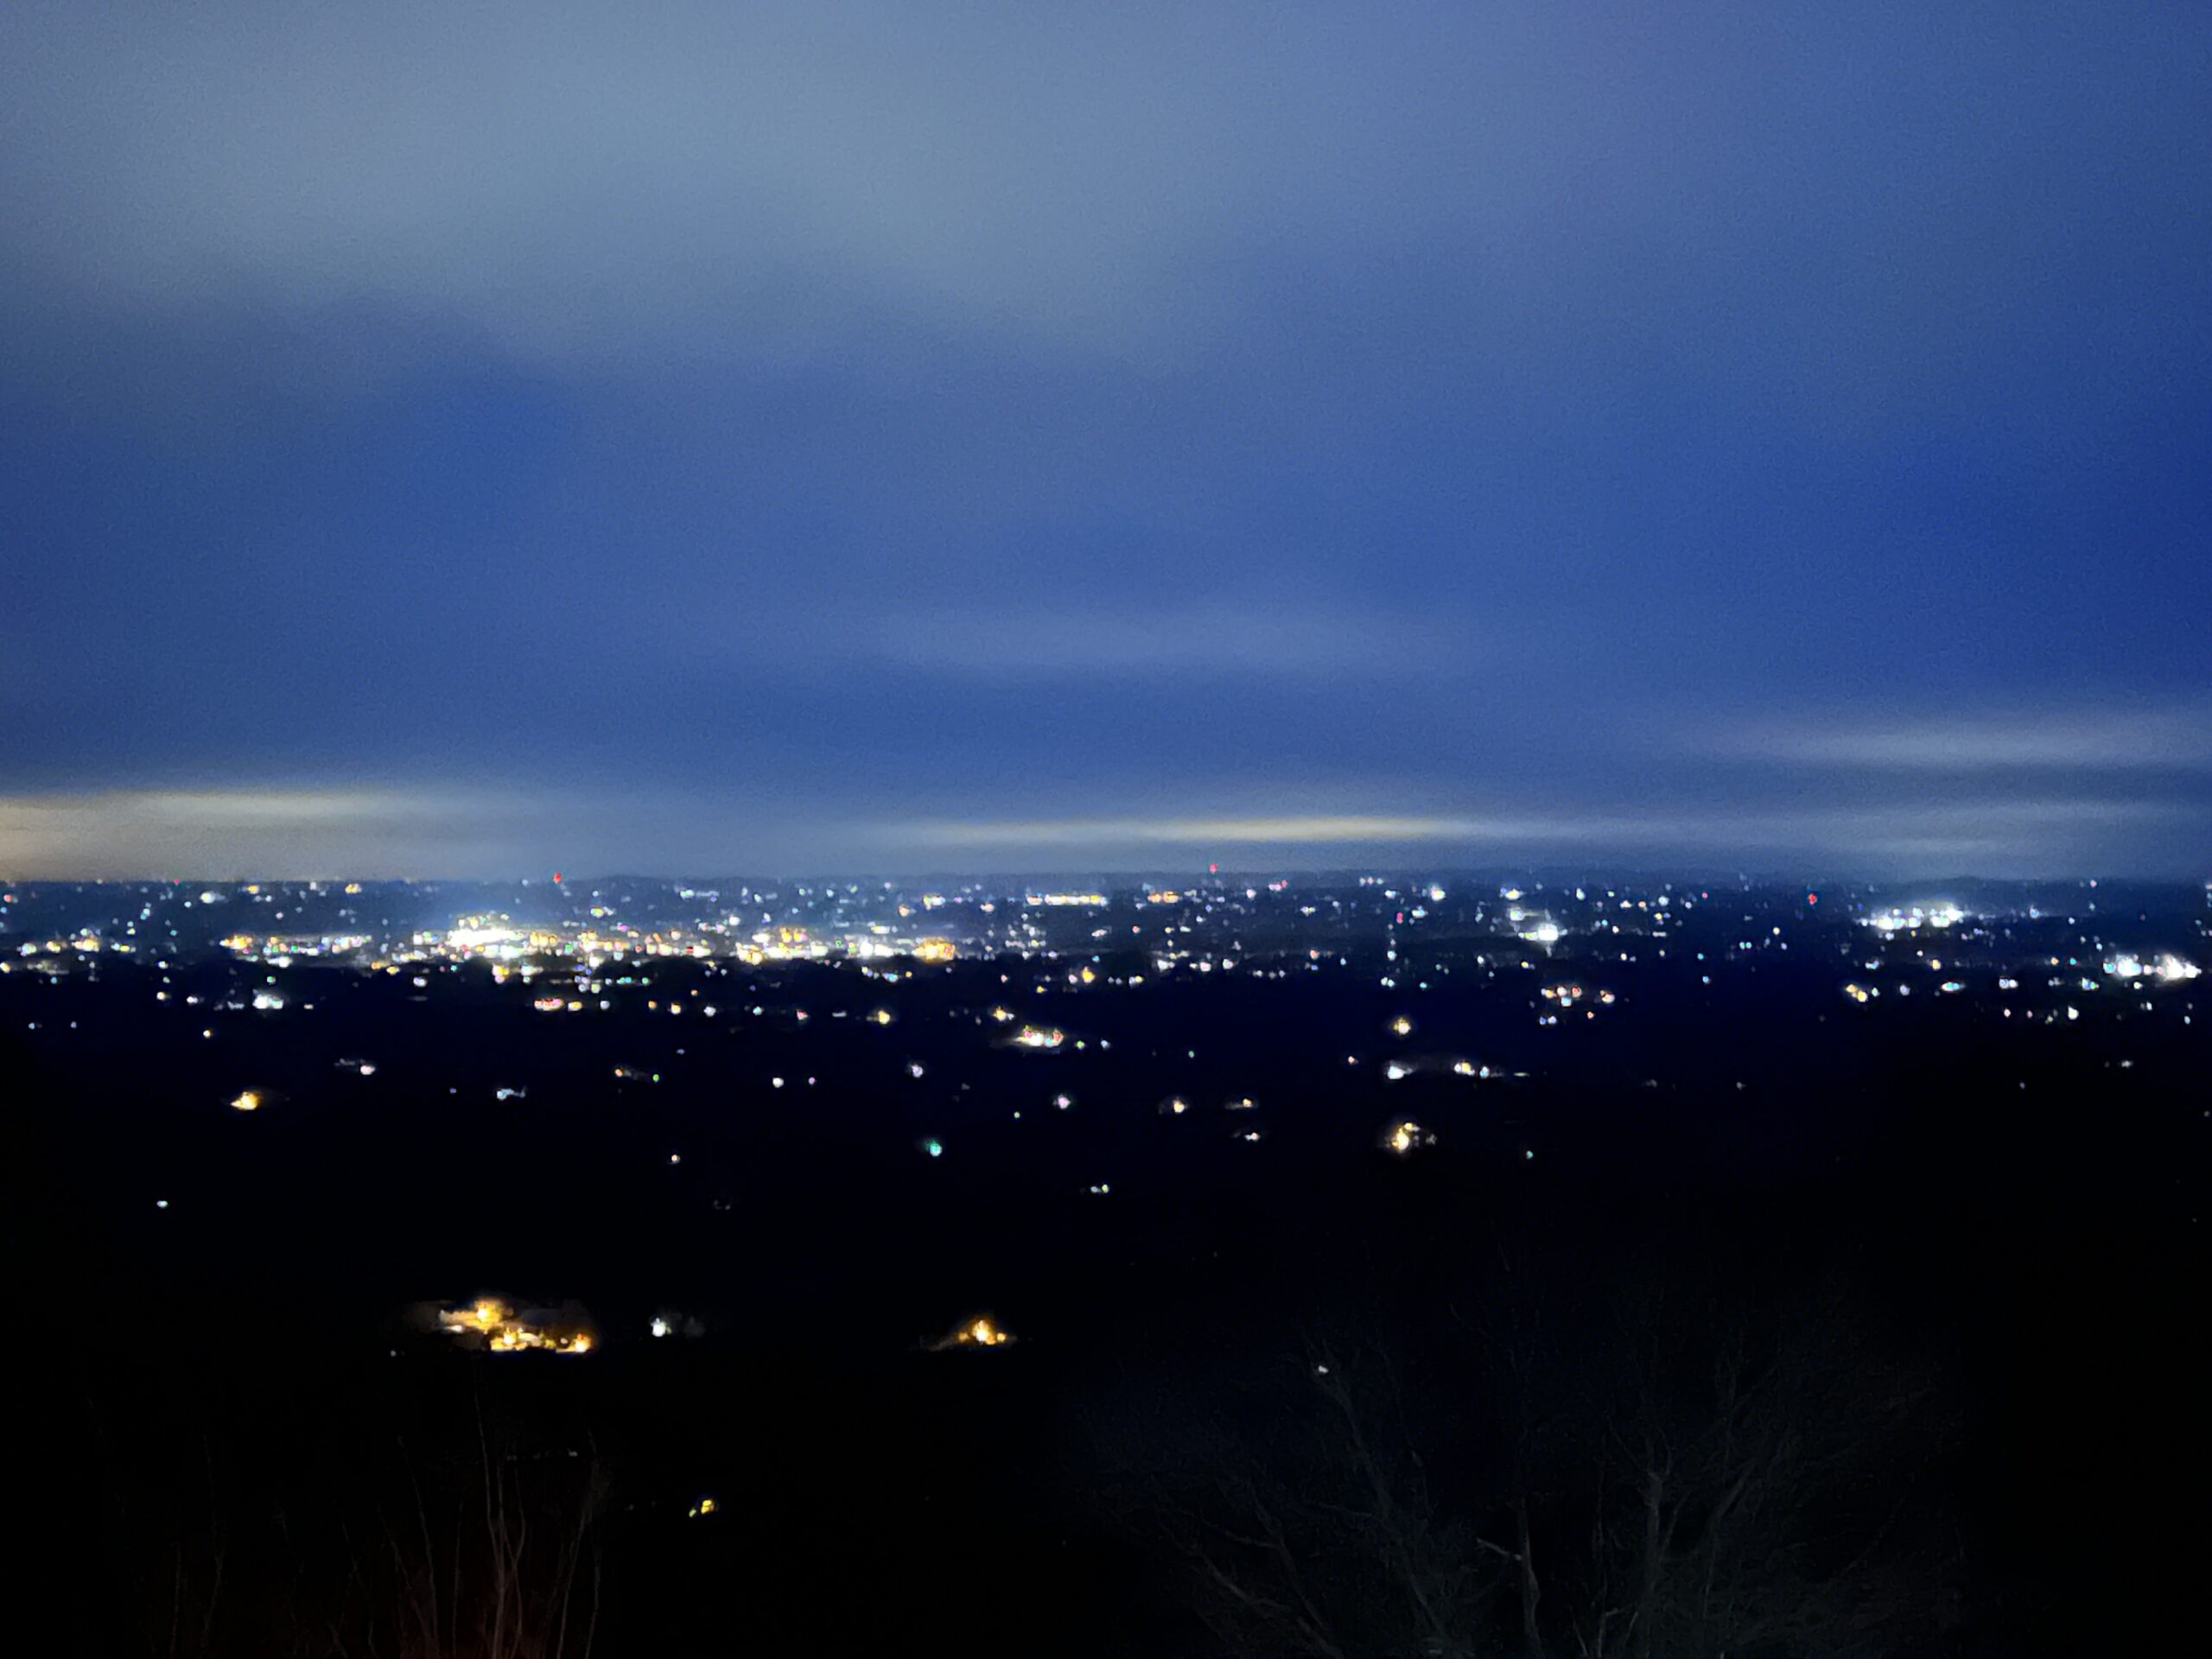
(455, 439)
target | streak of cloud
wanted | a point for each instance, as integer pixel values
(1997, 835)
(1290, 830)
(348, 831)
(434, 831)
(1219, 638)
(2087, 739)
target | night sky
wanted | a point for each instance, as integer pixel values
(472, 440)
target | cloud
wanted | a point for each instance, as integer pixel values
(2173, 737)
(1993, 835)
(1289, 831)
(491, 830)
(585, 186)
(1396, 405)
(1221, 636)
(351, 830)
(569, 181)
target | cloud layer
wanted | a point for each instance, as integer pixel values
(760, 427)
(2130, 737)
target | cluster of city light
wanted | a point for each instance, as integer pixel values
(978, 1332)
(502, 1331)
(515, 1338)
(89, 944)
(2168, 969)
(1405, 1137)
(499, 940)
(476, 936)
(1039, 1038)
(281, 947)
(1568, 995)
(1942, 914)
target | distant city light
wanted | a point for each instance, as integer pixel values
(1405, 1137)
(1942, 914)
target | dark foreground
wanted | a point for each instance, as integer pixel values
(1798, 1332)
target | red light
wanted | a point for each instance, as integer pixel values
(1213, 869)
(1811, 898)
(556, 875)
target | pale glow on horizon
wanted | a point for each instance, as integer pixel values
(1318, 827)
(495, 829)
(272, 832)
(2173, 735)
